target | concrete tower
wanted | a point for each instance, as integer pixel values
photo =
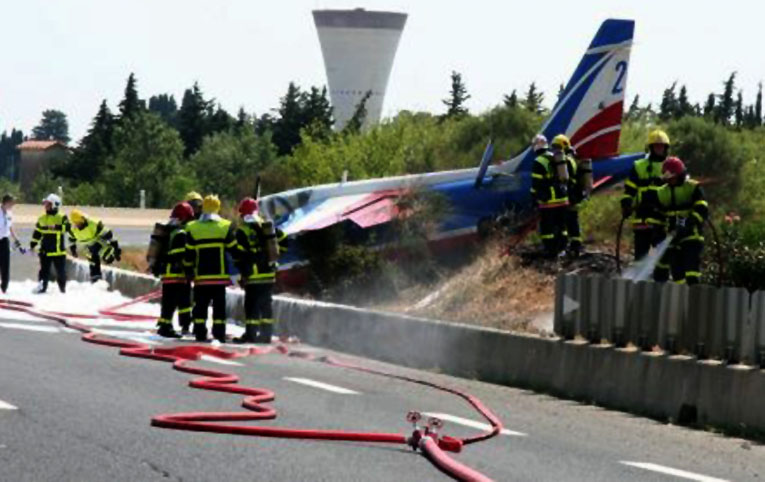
(358, 48)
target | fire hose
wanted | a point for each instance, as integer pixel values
(424, 437)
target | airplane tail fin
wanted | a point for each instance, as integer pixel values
(589, 111)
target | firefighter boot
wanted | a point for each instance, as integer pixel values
(219, 331)
(250, 334)
(200, 331)
(265, 333)
(166, 330)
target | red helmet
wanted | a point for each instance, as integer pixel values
(248, 206)
(183, 212)
(672, 167)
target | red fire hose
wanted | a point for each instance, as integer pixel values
(425, 439)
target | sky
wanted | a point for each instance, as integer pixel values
(71, 54)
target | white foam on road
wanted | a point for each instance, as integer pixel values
(322, 386)
(80, 298)
(472, 423)
(38, 328)
(7, 406)
(683, 474)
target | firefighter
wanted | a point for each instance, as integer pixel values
(195, 201)
(99, 241)
(645, 176)
(208, 240)
(49, 235)
(577, 193)
(549, 179)
(176, 288)
(258, 244)
(681, 201)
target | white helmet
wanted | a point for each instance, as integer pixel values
(54, 200)
(539, 142)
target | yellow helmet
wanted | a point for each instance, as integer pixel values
(211, 204)
(561, 141)
(658, 137)
(77, 216)
(192, 196)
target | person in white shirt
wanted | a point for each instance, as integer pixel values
(6, 233)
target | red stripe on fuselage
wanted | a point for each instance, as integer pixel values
(608, 117)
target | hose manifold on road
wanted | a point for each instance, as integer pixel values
(424, 438)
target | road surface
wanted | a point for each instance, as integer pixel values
(76, 411)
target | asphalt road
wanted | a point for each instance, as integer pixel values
(75, 411)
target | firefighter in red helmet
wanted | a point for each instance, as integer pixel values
(176, 287)
(682, 204)
(259, 244)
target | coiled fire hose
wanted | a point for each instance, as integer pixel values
(424, 437)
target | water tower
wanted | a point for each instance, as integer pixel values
(358, 48)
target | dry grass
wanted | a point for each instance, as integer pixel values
(134, 259)
(493, 291)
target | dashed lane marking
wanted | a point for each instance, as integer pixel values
(322, 386)
(7, 406)
(472, 423)
(222, 361)
(683, 474)
(39, 328)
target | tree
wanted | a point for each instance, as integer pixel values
(243, 119)
(726, 106)
(317, 110)
(88, 161)
(668, 109)
(710, 107)
(165, 106)
(228, 162)
(219, 121)
(758, 106)
(561, 90)
(287, 127)
(633, 113)
(354, 125)
(455, 103)
(192, 119)
(511, 100)
(684, 107)
(131, 105)
(533, 100)
(52, 126)
(9, 155)
(147, 155)
(738, 115)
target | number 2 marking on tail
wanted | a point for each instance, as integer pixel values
(621, 67)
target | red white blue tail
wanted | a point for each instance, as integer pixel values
(590, 109)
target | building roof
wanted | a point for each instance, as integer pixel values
(35, 145)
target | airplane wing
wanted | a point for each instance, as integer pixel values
(365, 210)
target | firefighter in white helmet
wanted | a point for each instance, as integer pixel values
(49, 243)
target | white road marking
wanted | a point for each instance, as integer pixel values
(472, 423)
(674, 472)
(7, 406)
(20, 326)
(222, 361)
(323, 386)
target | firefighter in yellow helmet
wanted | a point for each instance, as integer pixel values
(549, 188)
(645, 176)
(195, 201)
(98, 240)
(578, 172)
(208, 240)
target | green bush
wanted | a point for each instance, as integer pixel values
(742, 253)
